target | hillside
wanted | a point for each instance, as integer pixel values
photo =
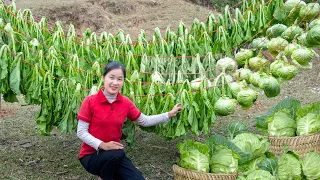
(112, 15)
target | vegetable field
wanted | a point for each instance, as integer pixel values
(225, 67)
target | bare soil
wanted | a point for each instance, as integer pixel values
(112, 15)
(24, 154)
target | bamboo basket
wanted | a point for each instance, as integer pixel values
(185, 174)
(299, 144)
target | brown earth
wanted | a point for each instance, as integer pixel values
(112, 15)
(24, 154)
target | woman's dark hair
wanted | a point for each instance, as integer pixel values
(114, 65)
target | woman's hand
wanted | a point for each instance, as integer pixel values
(175, 110)
(111, 145)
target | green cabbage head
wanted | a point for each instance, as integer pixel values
(291, 32)
(243, 55)
(246, 97)
(302, 57)
(314, 23)
(309, 11)
(194, 155)
(226, 63)
(270, 86)
(242, 74)
(281, 124)
(313, 37)
(252, 143)
(311, 165)
(290, 48)
(276, 30)
(308, 124)
(277, 44)
(223, 160)
(256, 175)
(225, 106)
(289, 166)
(308, 119)
(260, 43)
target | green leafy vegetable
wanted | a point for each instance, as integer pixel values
(289, 166)
(310, 165)
(281, 124)
(252, 143)
(194, 155)
(236, 128)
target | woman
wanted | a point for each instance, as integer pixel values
(101, 117)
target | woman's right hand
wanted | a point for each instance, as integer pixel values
(111, 145)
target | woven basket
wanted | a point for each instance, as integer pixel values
(299, 144)
(185, 174)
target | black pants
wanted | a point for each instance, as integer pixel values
(112, 164)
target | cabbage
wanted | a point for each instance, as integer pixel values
(302, 39)
(253, 164)
(225, 106)
(260, 43)
(276, 30)
(309, 11)
(281, 124)
(311, 108)
(243, 55)
(270, 86)
(257, 63)
(291, 4)
(194, 160)
(308, 119)
(277, 44)
(310, 165)
(252, 143)
(195, 84)
(227, 64)
(302, 57)
(291, 32)
(288, 103)
(223, 160)
(228, 78)
(287, 72)
(246, 98)
(256, 175)
(275, 66)
(308, 124)
(242, 74)
(314, 23)
(289, 166)
(313, 37)
(290, 48)
(194, 155)
(236, 87)
(292, 8)
(255, 78)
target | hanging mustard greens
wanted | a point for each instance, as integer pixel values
(209, 68)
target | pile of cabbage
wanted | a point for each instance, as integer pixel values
(221, 155)
(288, 119)
(246, 154)
(265, 66)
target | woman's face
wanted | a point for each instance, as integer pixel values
(113, 81)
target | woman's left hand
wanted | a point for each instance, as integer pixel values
(175, 110)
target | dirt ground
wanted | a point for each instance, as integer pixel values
(24, 154)
(112, 15)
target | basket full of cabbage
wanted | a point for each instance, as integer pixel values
(196, 162)
(289, 123)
